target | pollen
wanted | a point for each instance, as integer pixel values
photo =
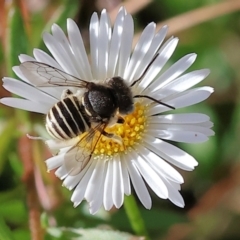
(126, 135)
(130, 133)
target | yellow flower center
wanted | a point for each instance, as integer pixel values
(130, 132)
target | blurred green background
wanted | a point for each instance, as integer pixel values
(211, 191)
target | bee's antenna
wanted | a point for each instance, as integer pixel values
(155, 100)
(145, 71)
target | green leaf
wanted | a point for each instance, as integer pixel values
(17, 41)
(231, 138)
(86, 234)
(6, 196)
(15, 163)
(5, 232)
(21, 234)
(6, 140)
(156, 219)
(14, 211)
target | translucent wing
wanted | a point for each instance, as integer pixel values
(77, 157)
(44, 75)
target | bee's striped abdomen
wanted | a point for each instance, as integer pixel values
(66, 120)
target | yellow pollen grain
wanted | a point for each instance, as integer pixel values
(130, 132)
(133, 121)
(137, 128)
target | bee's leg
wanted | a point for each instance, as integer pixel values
(66, 93)
(106, 134)
(114, 137)
(113, 120)
(96, 119)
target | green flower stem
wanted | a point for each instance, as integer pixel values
(135, 217)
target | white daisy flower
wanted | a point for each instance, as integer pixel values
(139, 151)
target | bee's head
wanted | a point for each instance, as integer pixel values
(123, 95)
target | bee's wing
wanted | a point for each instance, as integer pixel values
(44, 75)
(77, 157)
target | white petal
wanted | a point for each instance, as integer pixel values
(164, 54)
(207, 124)
(79, 51)
(138, 183)
(117, 191)
(63, 42)
(160, 166)
(103, 45)
(95, 181)
(184, 99)
(25, 58)
(147, 58)
(150, 176)
(181, 127)
(61, 172)
(54, 162)
(115, 43)
(140, 50)
(54, 92)
(27, 91)
(93, 34)
(43, 57)
(174, 195)
(97, 199)
(60, 54)
(126, 45)
(184, 82)
(107, 195)
(179, 136)
(170, 153)
(174, 71)
(95, 205)
(25, 105)
(190, 97)
(179, 118)
(54, 144)
(19, 73)
(71, 181)
(79, 191)
(126, 179)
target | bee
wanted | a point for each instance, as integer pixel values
(89, 110)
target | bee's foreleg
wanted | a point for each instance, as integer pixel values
(114, 137)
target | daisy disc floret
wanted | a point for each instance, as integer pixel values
(144, 154)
